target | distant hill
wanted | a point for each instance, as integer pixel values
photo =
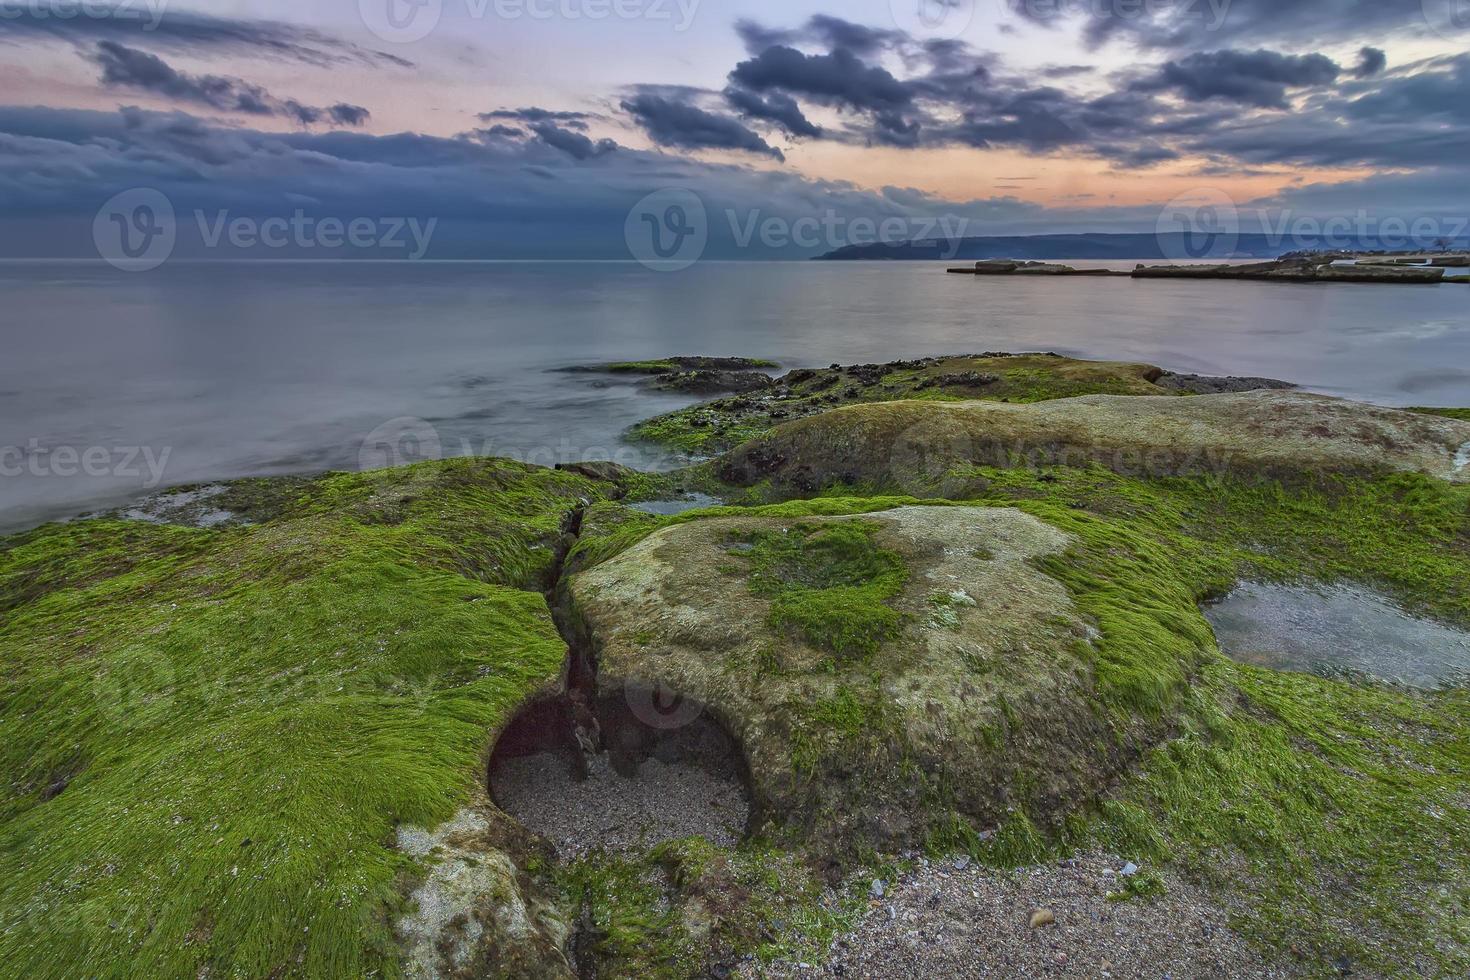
(1142, 247)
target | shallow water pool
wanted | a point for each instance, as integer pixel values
(1338, 630)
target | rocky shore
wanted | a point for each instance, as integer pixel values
(905, 674)
(1313, 269)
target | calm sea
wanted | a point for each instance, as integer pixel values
(112, 383)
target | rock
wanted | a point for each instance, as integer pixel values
(602, 471)
(1042, 918)
(1295, 270)
(841, 744)
(1198, 384)
(877, 891)
(712, 382)
(915, 446)
(1129, 870)
(478, 912)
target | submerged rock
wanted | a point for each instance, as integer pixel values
(922, 447)
(866, 719)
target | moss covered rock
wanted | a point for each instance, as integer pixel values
(724, 423)
(893, 677)
(916, 446)
(209, 737)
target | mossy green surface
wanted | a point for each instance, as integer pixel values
(208, 737)
(1463, 414)
(724, 423)
(1332, 816)
(831, 585)
(689, 906)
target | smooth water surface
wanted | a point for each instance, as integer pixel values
(203, 371)
(1338, 630)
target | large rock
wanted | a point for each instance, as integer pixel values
(974, 700)
(916, 446)
(478, 913)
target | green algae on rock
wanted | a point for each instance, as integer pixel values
(210, 736)
(913, 446)
(724, 423)
(917, 723)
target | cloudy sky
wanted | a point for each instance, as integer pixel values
(531, 128)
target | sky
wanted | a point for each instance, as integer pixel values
(600, 128)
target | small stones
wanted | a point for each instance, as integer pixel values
(1042, 918)
(980, 928)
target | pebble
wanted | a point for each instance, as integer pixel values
(979, 929)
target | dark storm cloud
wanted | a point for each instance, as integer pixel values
(564, 130)
(493, 198)
(576, 145)
(124, 67)
(1225, 104)
(348, 114)
(129, 68)
(1214, 24)
(823, 30)
(535, 114)
(686, 126)
(1433, 97)
(1253, 78)
(776, 108)
(183, 30)
(840, 78)
(1371, 62)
